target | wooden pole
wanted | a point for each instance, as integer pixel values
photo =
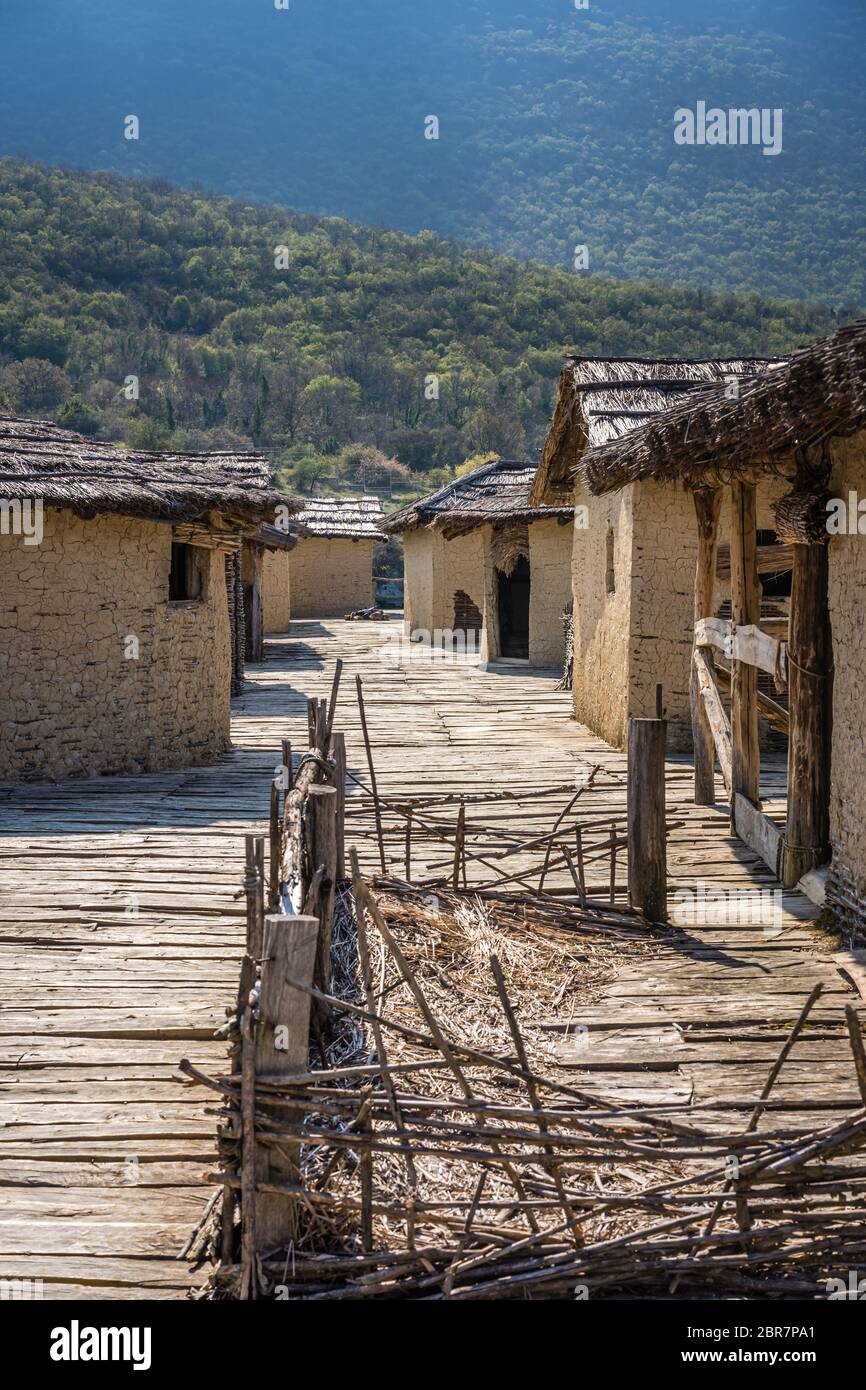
(275, 846)
(254, 847)
(409, 811)
(810, 709)
(708, 506)
(338, 753)
(458, 845)
(647, 832)
(282, 1049)
(745, 609)
(321, 832)
(376, 807)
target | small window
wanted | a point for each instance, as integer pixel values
(609, 572)
(184, 577)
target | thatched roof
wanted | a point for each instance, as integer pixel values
(496, 492)
(602, 399)
(39, 460)
(343, 518)
(819, 393)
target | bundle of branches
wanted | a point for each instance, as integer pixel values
(441, 1154)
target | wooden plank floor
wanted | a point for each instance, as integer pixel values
(121, 930)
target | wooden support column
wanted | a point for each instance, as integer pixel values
(281, 1049)
(810, 711)
(708, 506)
(647, 832)
(745, 610)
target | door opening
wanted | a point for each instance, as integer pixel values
(513, 602)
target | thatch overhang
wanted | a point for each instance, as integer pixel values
(496, 493)
(343, 518)
(90, 477)
(778, 422)
(602, 400)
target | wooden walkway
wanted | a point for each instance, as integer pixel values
(121, 928)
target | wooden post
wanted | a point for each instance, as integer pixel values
(647, 832)
(338, 753)
(282, 1049)
(321, 833)
(810, 710)
(708, 506)
(745, 609)
(254, 889)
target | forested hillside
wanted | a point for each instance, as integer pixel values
(171, 318)
(555, 123)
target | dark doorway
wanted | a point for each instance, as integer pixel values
(514, 610)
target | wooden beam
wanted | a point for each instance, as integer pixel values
(708, 504)
(810, 712)
(757, 831)
(745, 611)
(749, 643)
(714, 713)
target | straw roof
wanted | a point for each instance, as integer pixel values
(776, 417)
(601, 400)
(41, 461)
(496, 492)
(343, 518)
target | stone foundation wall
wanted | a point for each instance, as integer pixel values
(847, 597)
(101, 674)
(330, 578)
(276, 600)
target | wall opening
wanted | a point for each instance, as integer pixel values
(184, 575)
(513, 610)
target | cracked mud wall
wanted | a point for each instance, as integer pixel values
(73, 702)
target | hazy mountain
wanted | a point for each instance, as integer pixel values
(556, 124)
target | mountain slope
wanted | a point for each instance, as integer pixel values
(237, 322)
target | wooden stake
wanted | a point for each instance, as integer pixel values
(647, 831)
(332, 707)
(275, 846)
(321, 835)
(409, 843)
(338, 753)
(459, 839)
(374, 789)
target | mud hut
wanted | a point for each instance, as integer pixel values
(331, 572)
(632, 566)
(801, 429)
(120, 611)
(484, 563)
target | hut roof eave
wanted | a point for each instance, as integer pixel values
(711, 437)
(67, 471)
